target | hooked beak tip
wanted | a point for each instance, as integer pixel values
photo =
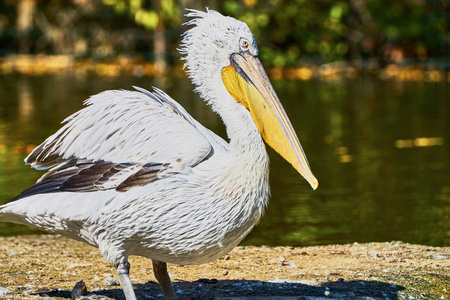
(314, 184)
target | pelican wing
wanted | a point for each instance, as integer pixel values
(125, 126)
(121, 139)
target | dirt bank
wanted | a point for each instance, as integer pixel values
(33, 267)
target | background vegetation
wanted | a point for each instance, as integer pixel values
(290, 33)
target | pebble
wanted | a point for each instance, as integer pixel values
(110, 281)
(225, 272)
(79, 290)
(4, 291)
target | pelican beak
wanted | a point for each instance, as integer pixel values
(247, 82)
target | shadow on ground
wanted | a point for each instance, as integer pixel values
(252, 289)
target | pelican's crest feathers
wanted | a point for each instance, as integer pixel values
(208, 45)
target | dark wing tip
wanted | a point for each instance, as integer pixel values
(82, 175)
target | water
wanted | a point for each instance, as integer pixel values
(380, 150)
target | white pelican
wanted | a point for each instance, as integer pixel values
(133, 173)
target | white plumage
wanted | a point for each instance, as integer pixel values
(134, 174)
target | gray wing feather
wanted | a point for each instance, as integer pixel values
(125, 126)
(119, 140)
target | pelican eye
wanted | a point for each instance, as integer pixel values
(244, 44)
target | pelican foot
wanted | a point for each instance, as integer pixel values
(123, 270)
(160, 271)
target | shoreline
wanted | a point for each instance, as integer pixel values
(34, 267)
(136, 65)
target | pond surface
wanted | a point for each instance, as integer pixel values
(380, 150)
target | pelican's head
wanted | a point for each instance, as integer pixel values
(225, 47)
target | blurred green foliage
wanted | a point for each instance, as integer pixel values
(289, 32)
(328, 30)
(147, 15)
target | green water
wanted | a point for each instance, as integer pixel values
(380, 150)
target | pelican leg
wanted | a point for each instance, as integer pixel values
(160, 271)
(123, 270)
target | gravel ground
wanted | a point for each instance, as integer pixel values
(37, 267)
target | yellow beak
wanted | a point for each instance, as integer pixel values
(247, 82)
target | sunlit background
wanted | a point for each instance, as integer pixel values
(365, 83)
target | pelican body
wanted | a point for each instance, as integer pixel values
(133, 173)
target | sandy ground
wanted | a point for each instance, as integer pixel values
(35, 267)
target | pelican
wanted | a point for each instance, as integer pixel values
(132, 173)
